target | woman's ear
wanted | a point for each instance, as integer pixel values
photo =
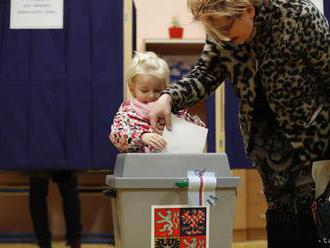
(251, 11)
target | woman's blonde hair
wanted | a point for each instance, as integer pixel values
(204, 10)
(148, 63)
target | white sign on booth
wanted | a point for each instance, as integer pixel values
(36, 14)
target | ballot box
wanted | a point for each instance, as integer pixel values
(141, 180)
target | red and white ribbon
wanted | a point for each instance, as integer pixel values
(202, 188)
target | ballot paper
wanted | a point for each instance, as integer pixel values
(184, 137)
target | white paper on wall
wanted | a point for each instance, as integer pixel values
(36, 14)
(319, 4)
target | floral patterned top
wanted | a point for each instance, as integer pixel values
(129, 126)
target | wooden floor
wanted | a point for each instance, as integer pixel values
(251, 244)
(55, 245)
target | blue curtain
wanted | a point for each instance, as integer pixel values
(326, 5)
(59, 89)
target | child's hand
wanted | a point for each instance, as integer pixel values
(155, 140)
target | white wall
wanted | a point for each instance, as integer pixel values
(154, 17)
(319, 4)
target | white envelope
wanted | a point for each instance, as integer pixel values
(184, 137)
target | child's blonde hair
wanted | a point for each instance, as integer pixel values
(204, 10)
(148, 63)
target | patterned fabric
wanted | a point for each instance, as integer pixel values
(288, 184)
(129, 126)
(290, 54)
(289, 191)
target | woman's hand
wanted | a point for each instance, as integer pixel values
(155, 140)
(161, 110)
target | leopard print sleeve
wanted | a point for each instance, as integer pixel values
(317, 45)
(308, 37)
(204, 78)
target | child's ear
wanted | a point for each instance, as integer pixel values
(131, 87)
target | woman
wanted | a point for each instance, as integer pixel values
(276, 54)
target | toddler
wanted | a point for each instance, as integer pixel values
(147, 77)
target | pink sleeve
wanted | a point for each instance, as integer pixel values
(126, 132)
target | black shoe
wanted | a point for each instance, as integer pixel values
(74, 244)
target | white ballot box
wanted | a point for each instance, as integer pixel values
(142, 180)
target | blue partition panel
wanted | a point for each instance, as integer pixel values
(211, 124)
(326, 5)
(234, 146)
(59, 89)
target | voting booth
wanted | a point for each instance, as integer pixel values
(142, 180)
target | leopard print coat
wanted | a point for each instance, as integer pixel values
(290, 54)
